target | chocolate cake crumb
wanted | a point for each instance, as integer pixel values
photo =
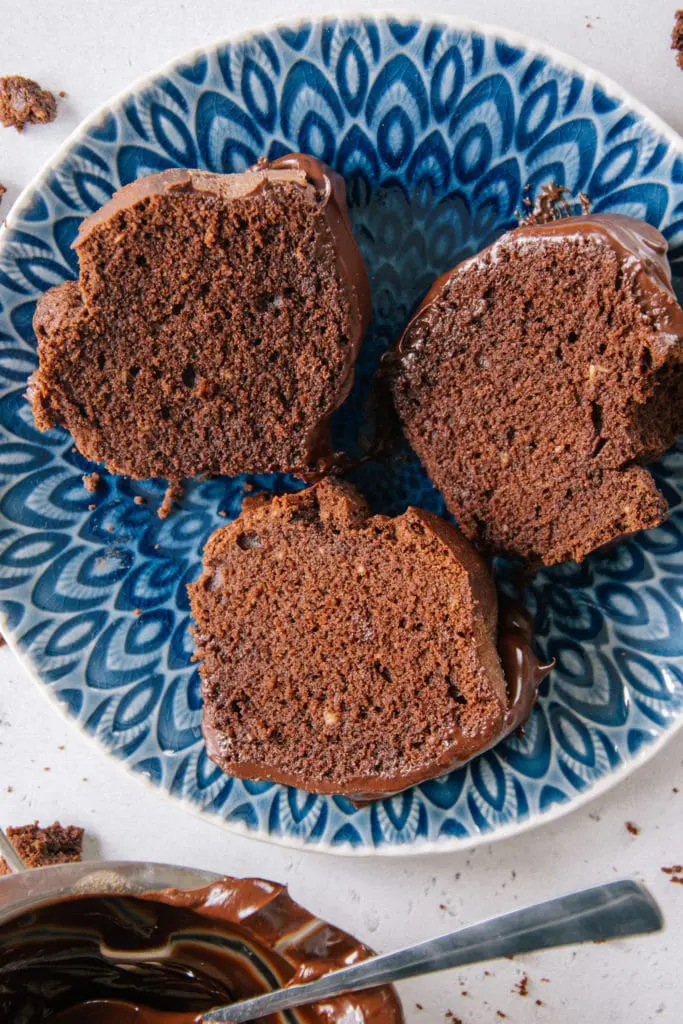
(5, 869)
(633, 829)
(91, 482)
(675, 789)
(2, 191)
(138, 500)
(677, 879)
(677, 38)
(550, 205)
(2, 640)
(419, 1006)
(61, 94)
(37, 847)
(675, 869)
(22, 102)
(174, 493)
(539, 1002)
(499, 1013)
(522, 986)
(452, 1018)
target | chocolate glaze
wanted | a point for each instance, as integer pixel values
(524, 672)
(326, 189)
(640, 248)
(512, 667)
(171, 955)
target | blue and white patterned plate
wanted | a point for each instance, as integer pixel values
(436, 126)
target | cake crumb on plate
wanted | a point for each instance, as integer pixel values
(91, 482)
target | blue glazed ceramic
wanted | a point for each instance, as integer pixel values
(436, 126)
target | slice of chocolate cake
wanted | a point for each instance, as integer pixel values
(214, 327)
(343, 652)
(535, 379)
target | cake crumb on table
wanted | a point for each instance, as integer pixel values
(522, 986)
(55, 844)
(675, 869)
(139, 500)
(22, 102)
(539, 1002)
(2, 191)
(91, 482)
(677, 37)
(633, 829)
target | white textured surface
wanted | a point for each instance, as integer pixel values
(92, 50)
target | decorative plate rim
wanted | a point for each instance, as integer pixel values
(450, 844)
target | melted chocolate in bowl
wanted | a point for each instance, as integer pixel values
(172, 955)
